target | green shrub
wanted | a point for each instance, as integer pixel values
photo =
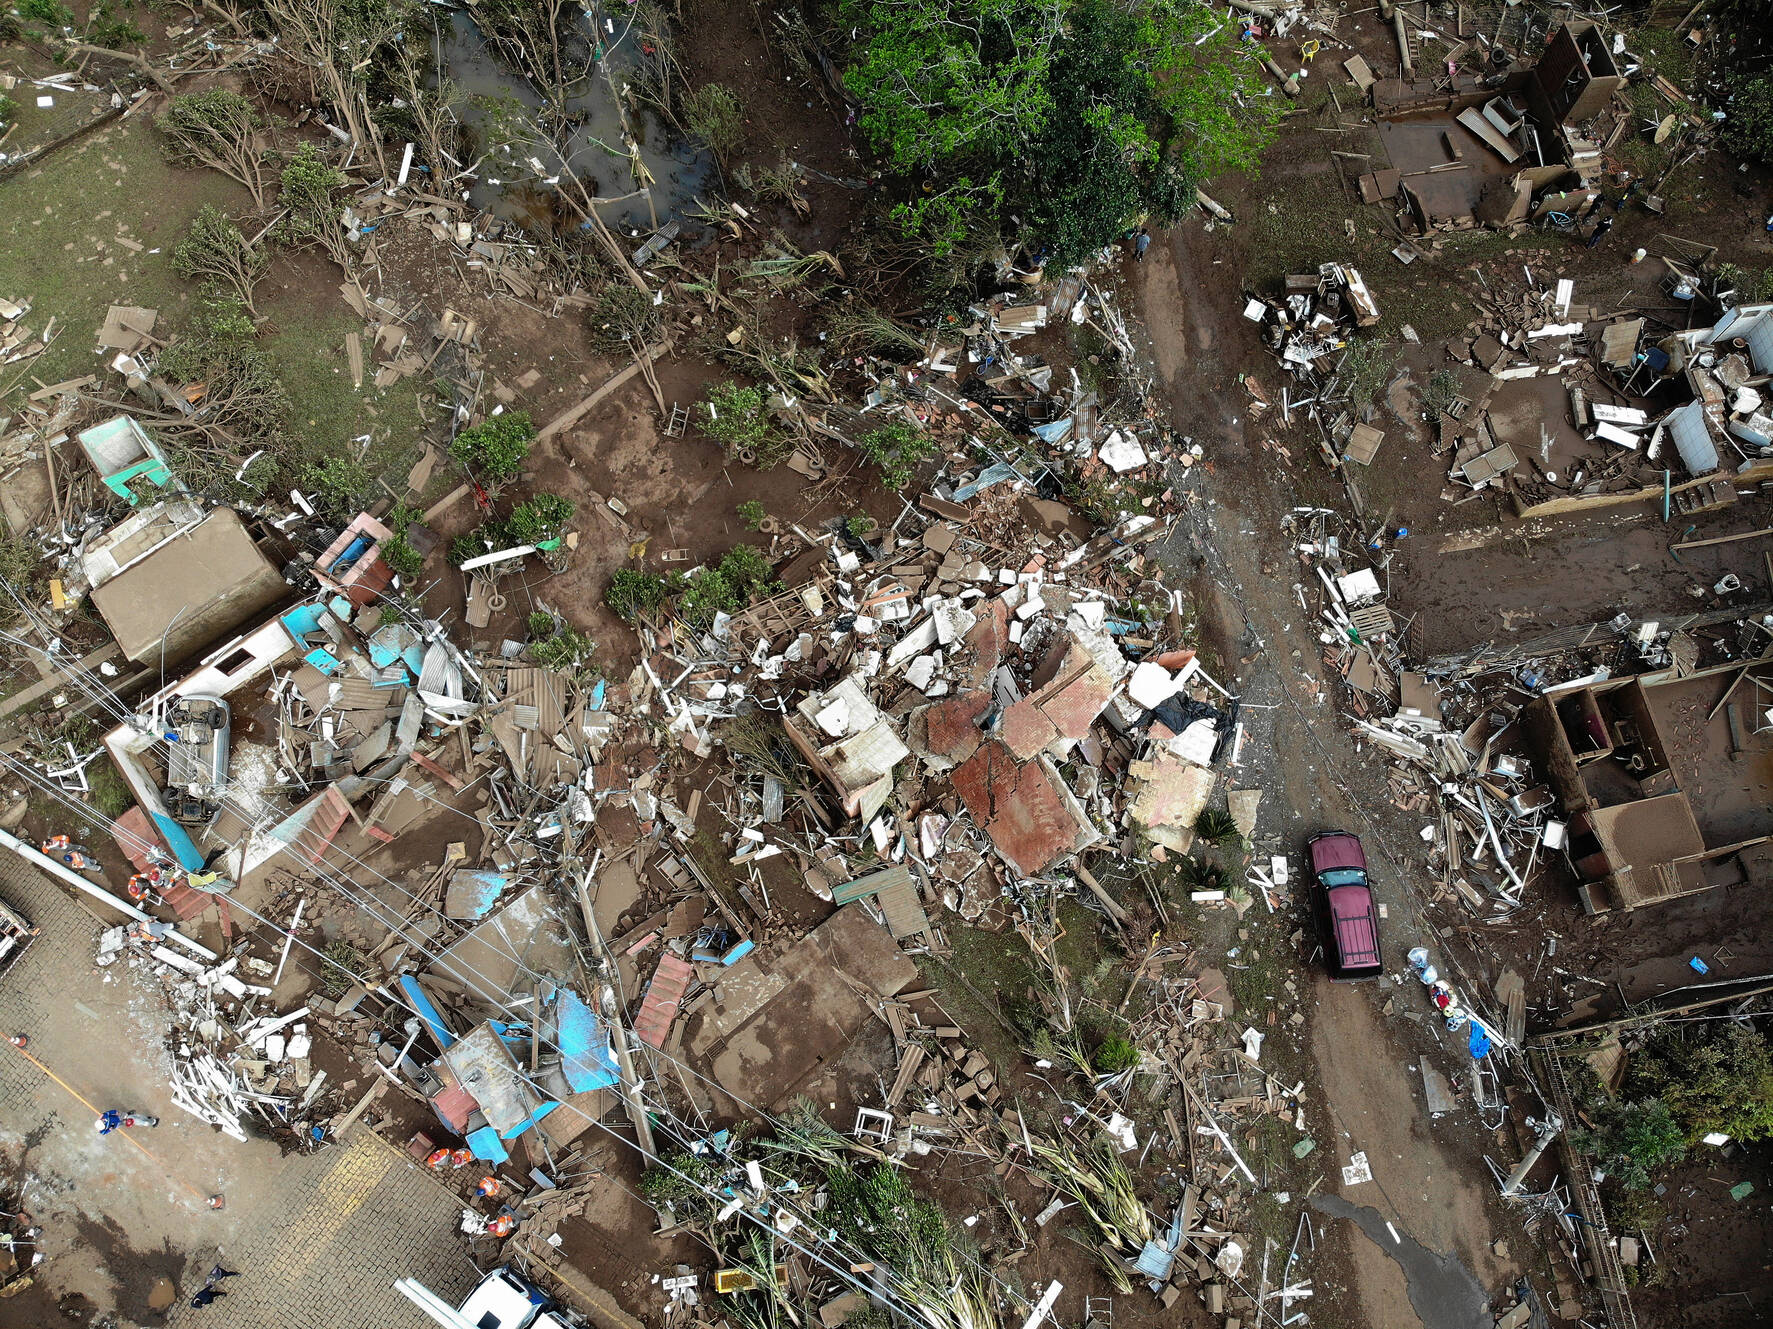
(1632, 1140)
(310, 186)
(683, 1181)
(216, 254)
(1115, 1054)
(20, 562)
(341, 965)
(402, 558)
(1217, 826)
(467, 546)
(537, 520)
(622, 318)
(631, 593)
(742, 575)
(752, 513)
(713, 114)
(562, 652)
(748, 571)
(52, 12)
(1748, 128)
(105, 26)
(898, 449)
(541, 624)
(8, 108)
(341, 483)
(737, 417)
(496, 447)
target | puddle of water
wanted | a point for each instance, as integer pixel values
(162, 1294)
(511, 188)
(1443, 1292)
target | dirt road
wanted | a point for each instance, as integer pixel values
(1428, 1182)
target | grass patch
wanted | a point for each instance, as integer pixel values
(985, 981)
(109, 791)
(1298, 222)
(59, 250)
(59, 223)
(1664, 52)
(1254, 975)
(326, 411)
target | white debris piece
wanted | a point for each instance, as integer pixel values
(1121, 453)
(1357, 1171)
(1151, 685)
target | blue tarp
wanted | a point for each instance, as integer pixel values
(484, 1144)
(585, 1056)
(473, 892)
(416, 997)
(1480, 1042)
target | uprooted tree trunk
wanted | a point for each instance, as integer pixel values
(162, 79)
(218, 129)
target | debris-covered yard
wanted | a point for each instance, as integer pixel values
(965, 665)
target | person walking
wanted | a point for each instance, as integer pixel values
(1601, 228)
(1141, 245)
(207, 1294)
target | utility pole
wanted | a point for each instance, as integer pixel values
(612, 1016)
(1544, 1132)
(618, 1038)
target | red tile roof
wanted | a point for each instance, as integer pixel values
(952, 725)
(1024, 807)
(658, 1008)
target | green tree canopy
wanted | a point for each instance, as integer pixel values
(1079, 116)
(1719, 1081)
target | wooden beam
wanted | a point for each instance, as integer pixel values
(1723, 539)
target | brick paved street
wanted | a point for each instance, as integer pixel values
(324, 1253)
(320, 1238)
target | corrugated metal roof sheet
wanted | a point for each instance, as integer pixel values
(1759, 335)
(1692, 439)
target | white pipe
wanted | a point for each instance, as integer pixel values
(1044, 1305)
(1484, 811)
(38, 859)
(289, 940)
(497, 556)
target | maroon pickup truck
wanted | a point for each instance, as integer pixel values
(1343, 899)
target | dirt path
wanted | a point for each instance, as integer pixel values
(1368, 1094)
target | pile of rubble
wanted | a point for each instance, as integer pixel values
(229, 1063)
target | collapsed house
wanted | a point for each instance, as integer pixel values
(1494, 149)
(170, 578)
(348, 700)
(1663, 780)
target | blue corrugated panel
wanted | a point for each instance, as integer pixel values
(585, 1055)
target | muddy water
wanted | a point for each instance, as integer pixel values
(511, 186)
(1443, 1292)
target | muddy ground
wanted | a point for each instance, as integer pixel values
(1467, 575)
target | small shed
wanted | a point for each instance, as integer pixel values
(191, 590)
